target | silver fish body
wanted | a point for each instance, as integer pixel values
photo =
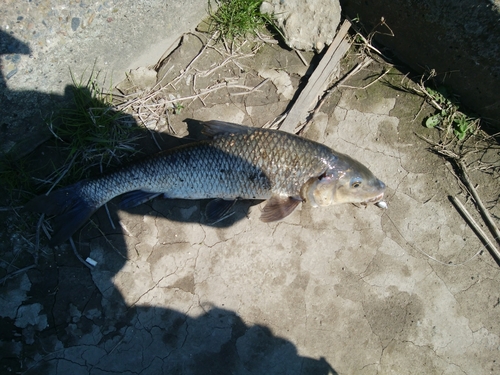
(237, 162)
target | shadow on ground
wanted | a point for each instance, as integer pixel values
(60, 317)
(22, 112)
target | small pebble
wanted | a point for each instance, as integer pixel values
(75, 22)
(11, 73)
(381, 204)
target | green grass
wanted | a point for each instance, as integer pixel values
(235, 19)
(449, 116)
(91, 132)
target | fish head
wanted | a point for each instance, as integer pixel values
(345, 181)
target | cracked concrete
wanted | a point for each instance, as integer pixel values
(331, 290)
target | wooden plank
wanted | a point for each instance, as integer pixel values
(318, 81)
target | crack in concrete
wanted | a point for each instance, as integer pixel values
(371, 328)
(59, 360)
(422, 346)
(157, 230)
(497, 303)
(442, 281)
(133, 304)
(202, 242)
(233, 236)
(444, 359)
(410, 244)
(356, 144)
(195, 267)
(380, 358)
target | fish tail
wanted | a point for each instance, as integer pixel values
(71, 208)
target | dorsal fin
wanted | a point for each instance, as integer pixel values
(216, 127)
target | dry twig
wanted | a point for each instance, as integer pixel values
(482, 209)
(17, 272)
(480, 233)
(72, 243)
(464, 179)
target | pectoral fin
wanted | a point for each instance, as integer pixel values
(278, 207)
(219, 209)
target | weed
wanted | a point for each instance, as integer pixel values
(92, 133)
(236, 18)
(88, 134)
(178, 107)
(449, 116)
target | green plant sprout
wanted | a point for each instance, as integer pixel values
(178, 107)
(449, 115)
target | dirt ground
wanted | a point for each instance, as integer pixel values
(333, 290)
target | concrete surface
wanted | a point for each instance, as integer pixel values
(42, 40)
(459, 39)
(333, 290)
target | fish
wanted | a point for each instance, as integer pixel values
(234, 163)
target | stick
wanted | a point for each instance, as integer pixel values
(301, 58)
(14, 273)
(72, 243)
(482, 210)
(37, 237)
(482, 236)
(368, 85)
(109, 216)
(316, 84)
(360, 66)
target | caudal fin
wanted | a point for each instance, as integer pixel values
(71, 211)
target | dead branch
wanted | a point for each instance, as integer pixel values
(480, 233)
(482, 209)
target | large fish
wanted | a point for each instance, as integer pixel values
(236, 162)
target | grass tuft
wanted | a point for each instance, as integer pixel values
(89, 135)
(449, 115)
(92, 132)
(235, 19)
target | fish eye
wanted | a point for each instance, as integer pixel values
(356, 184)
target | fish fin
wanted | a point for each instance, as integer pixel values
(278, 207)
(136, 197)
(219, 209)
(216, 127)
(71, 209)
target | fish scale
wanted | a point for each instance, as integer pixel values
(237, 162)
(286, 160)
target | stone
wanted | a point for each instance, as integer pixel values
(306, 25)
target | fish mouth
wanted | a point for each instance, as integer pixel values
(376, 199)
